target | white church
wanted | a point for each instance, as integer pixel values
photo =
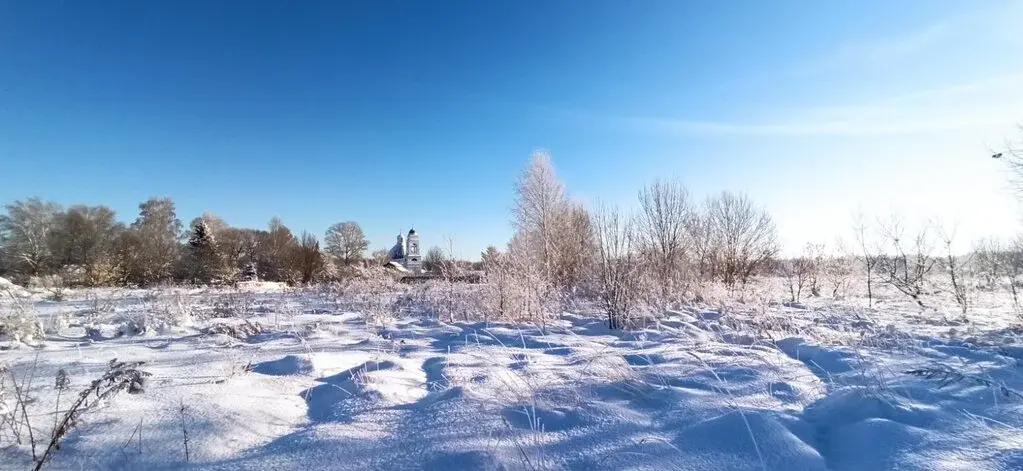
(404, 256)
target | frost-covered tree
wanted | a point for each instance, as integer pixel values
(489, 257)
(380, 257)
(204, 260)
(665, 210)
(434, 258)
(25, 233)
(346, 242)
(618, 265)
(540, 207)
(553, 232)
(742, 237)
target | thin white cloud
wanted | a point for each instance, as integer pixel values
(993, 23)
(991, 102)
(876, 52)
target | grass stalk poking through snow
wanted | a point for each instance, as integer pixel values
(946, 375)
(118, 377)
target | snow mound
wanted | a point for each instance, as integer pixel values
(369, 386)
(8, 288)
(289, 365)
(750, 440)
(822, 361)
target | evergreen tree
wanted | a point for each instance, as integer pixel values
(249, 272)
(205, 260)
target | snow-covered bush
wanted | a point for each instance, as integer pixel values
(157, 312)
(9, 290)
(53, 285)
(19, 322)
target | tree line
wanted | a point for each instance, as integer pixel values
(87, 246)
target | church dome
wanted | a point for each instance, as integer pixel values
(412, 231)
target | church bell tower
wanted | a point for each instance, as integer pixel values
(413, 261)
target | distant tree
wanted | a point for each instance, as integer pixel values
(803, 272)
(147, 252)
(1013, 157)
(380, 257)
(434, 258)
(869, 254)
(346, 242)
(275, 250)
(960, 269)
(239, 247)
(308, 259)
(84, 237)
(216, 225)
(837, 269)
(665, 211)
(742, 237)
(907, 263)
(25, 234)
(204, 258)
(489, 258)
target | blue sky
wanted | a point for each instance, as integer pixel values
(394, 113)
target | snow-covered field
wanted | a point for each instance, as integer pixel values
(299, 383)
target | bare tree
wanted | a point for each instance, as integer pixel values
(573, 247)
(523, 289)
(379, 256)
(743, 237)
(703, 246)
(346, 242)
(308, 259)
(84, 237)
(275, 250)
(909, 263)
(870, 253)
(957, 268)
(837, 268)
(665, 210)
(433, 259)
(797, 273)
(988, 257)
(1012, 266)
(25, 234)
(1013, 157)
(813, 256)
(618, 264)
(239, 249)
(997, 262)
(148, 251)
